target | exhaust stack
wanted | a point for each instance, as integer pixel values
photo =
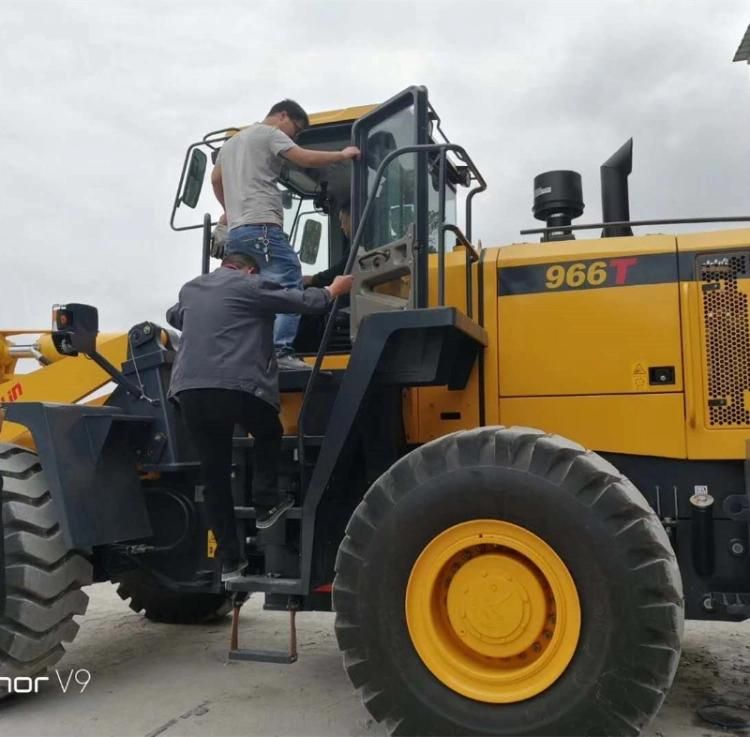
(615, 204)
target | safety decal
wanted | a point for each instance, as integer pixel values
(212, 545)
(640, 376)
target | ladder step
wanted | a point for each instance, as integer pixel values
(250, 513)
(262, 656)
(265, 584)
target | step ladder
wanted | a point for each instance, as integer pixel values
(261, 656)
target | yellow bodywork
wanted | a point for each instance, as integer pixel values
(343, 115)
(64, 379)
(570, 353)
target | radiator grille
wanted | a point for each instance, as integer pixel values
(727, 337)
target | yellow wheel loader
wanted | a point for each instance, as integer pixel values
(516, 468)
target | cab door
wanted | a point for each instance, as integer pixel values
(390, 267)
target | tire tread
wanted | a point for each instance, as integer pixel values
(43, 576)
(596, 484)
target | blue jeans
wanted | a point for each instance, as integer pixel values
(269, 246)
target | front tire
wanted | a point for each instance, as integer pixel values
(522, 512)
(43, 577)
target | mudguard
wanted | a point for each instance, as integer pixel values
(89, 456)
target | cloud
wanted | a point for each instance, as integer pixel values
(101, 99)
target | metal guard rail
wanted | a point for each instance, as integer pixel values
(208, 140)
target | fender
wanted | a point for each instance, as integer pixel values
(90, 456)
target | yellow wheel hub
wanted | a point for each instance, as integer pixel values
(493, 611)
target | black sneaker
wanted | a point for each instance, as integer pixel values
(232, 569)
(268, 518)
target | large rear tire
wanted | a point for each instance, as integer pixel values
(159, 604)
(507, 582)
(43, 577)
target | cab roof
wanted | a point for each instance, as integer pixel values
(340, 116)
(344, 115)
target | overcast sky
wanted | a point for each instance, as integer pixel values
(100, 98)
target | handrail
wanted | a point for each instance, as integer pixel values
(472, 256)
(206, 254)
(463, 241)
(444, 227)
(443, 148)
(672, 221)
(214, 136)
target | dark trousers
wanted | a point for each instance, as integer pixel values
(210, 416)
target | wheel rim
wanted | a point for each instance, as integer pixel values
(493, 611)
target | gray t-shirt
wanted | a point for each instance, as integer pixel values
(250, 166)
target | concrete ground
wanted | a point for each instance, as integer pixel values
(150, 680)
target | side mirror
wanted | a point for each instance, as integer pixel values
(308, 252)
(194, 180)
(75, 327)
(287, 199)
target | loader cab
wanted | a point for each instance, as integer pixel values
(416, 197)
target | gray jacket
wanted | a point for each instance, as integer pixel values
(226, 318)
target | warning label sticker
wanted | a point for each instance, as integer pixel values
(212, 545)
(640, 377)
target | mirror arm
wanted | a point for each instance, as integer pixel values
(206, 254)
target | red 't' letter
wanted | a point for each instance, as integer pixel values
(621, 268)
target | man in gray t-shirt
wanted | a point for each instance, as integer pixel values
(244, 180)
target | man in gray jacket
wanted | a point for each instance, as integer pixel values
(225, 373)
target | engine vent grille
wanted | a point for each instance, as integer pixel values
(726, 338)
